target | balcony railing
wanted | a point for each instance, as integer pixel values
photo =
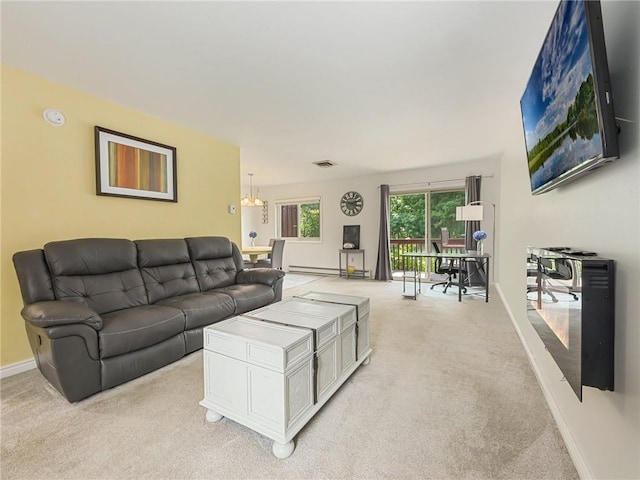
(413, 245)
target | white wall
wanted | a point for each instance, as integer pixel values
(325, 253)
(599, 212)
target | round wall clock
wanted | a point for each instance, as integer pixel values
(351, 203)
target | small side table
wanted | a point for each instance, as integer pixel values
(345, 272)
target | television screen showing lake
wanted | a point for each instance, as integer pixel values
(559, 107)
(570, 154)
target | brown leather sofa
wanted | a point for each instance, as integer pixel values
(101, 311)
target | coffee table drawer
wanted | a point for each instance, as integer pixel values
(276, 347)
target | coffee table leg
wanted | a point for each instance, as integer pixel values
(213, 416)
(283, 450)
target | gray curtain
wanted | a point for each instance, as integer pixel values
(383, 265)
(472, 194)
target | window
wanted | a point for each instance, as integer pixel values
(299, 218)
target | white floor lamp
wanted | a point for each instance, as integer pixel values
(474, 211)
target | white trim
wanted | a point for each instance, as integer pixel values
(298, 201)
(573, 448)
(16, 368)
(288, 201)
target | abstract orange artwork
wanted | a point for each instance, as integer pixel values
(128, 166)
(131, 167)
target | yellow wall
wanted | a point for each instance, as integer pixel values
(48, 184)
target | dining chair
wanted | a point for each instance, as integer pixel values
(275, 261)
(261, 262)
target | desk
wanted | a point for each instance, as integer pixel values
(253, 252)
(484, 259)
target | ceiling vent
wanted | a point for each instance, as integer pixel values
(324, 163)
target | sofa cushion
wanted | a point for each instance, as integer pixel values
(202, 309)
(213, 261)
(101, 273)
(134, 328)
(249, 297)
(34, 276)
(166, 268)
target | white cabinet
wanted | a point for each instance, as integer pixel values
(272, 369)
(259, 374)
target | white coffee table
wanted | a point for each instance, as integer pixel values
(272, 370)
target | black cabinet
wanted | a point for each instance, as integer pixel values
(570, 304)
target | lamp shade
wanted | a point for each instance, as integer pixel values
(469, 213)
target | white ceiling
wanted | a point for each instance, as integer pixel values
(372, 86)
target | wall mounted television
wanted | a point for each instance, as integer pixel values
(567, 106)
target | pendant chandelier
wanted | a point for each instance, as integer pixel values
(249, 200)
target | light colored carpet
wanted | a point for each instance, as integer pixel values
(449, 394)
(292, 280)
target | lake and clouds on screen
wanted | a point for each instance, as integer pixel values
(563, 64)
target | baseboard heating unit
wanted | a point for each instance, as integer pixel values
(315, 270)
(323, 271)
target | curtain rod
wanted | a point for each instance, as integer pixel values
(428, 183)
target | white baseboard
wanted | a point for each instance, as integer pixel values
(572, 447)
(16, 368)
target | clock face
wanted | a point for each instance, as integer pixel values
(351, 203)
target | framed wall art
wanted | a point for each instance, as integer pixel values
(128, 166)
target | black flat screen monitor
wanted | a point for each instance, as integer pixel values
(351, 234)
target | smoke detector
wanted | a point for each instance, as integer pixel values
(325, 163)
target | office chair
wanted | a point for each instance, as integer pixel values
(561, 271)
(275, 260)
(534, 270)
(448, 268)
(545, 268)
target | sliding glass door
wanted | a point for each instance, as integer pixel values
(417, 219)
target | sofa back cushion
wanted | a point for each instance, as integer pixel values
(166, 268)
(213, 261)
(34, 276)
(101, 273)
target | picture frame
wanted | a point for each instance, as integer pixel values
(132, 167)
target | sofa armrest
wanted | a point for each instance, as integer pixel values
(266, 276)
(52, 313)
